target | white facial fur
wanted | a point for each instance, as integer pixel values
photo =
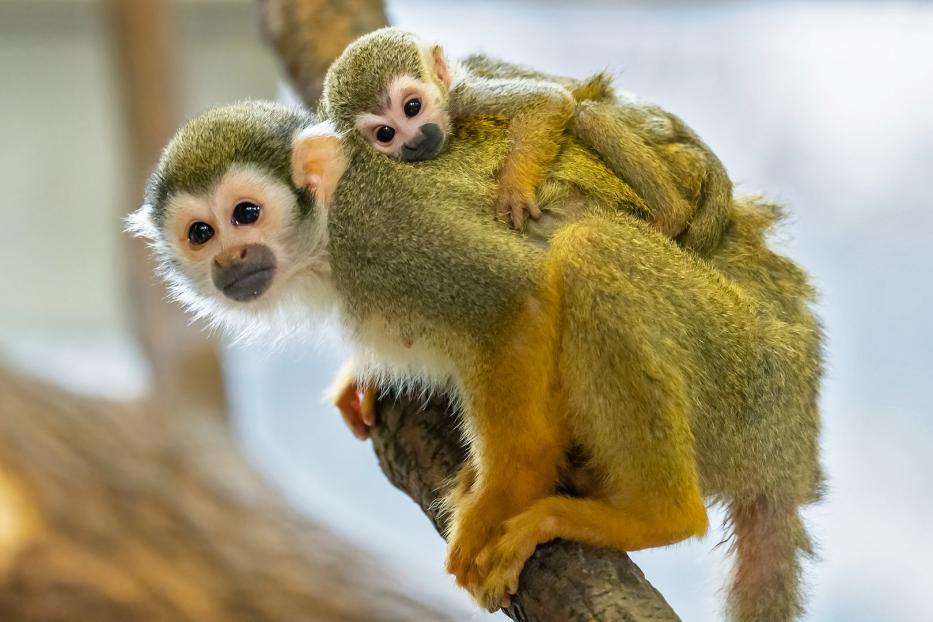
(302, 276)
(407, 129)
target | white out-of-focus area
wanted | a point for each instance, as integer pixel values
(827, 106)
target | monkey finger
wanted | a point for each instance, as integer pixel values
(368, 407)
(504, 604)
(350, 409)
(359, 429)
(533, 210)
(518, 216)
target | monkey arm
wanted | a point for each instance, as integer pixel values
(538, 112)
(517, 445)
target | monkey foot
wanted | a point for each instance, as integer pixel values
(357, 404)
(469, 535)
(500, 564)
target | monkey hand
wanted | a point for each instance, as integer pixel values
(513, 201)
(357, 404)
(473, 525)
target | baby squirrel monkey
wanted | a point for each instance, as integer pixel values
(675, 380)
(403, 96)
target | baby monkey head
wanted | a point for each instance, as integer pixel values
(393, 88)
(239, 225)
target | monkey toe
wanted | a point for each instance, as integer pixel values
(495, 588)
(533, 210)
(461, 565)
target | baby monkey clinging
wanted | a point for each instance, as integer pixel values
(402, 96)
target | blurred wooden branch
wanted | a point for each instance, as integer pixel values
(418, 447)
(309, 34)
(103, 520)
(186, 373)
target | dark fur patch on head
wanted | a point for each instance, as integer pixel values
(202, 151)
(357, 80)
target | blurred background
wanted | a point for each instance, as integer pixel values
(827, 106)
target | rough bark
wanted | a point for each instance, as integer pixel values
(417, 445)
(104, 517)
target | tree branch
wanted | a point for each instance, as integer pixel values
(419, 449)
(309, 34)
(103, 518)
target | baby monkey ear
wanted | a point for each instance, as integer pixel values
(318, 161)
(437, 64)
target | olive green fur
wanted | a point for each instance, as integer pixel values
(356, 80)
(650, 148)
(728, 345)
(250, 132)
(743, 334)
(656, 341)
(454, 195)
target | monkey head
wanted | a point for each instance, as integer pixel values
(393, 89)
(237, 229)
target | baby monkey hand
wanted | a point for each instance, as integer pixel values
(514, 200)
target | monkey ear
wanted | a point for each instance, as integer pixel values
(437, 63)
(140, 224)
(318, 161)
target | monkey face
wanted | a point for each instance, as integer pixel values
(240, 249)
(230, 240)
(412, 124)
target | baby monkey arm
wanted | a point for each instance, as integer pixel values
(538, 113)
(683, 183)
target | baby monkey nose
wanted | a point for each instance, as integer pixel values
(426, 146)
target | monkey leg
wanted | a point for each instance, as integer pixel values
(606, 523)
(605, 128)
(517, 441)
(642, 447)
(713, 212)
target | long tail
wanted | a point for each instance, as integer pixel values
(770, 541)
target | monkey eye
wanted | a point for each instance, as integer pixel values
(199, 233)
(246, 213)
(412, 107)
(385, 134)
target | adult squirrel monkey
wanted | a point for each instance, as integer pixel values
(403, 96)
(680, 381)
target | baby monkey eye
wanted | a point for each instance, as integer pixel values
(199, 233)
(385, 134)
(245, 213)
(412, 107)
